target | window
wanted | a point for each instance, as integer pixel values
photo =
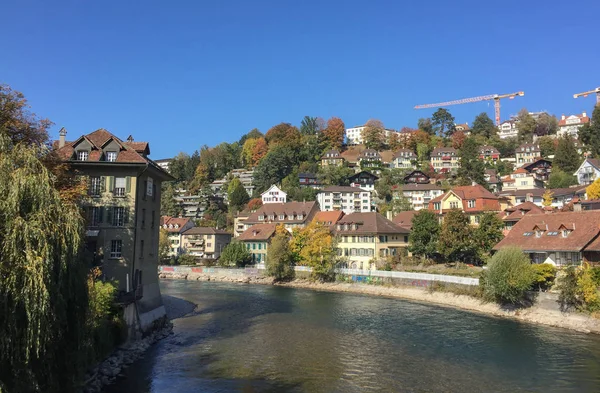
(95, 215)
(261, 218)
(552, 233)
(453, 205)
(120, 183)
(282, 217)
(115, 248)
(143, 218)
(476, 219)
(82, 155)
(300, 216)
(141, 249)
(436, 205)
(209, 245)
(254, 246)
(471, 203)
(527, 233)
(271, 217)
(565, 232)
(118, 216)
(152, 219)
(405, 239)
(111, 156)
(95, 186)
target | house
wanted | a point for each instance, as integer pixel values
(445, 159)
(332, 158)
(354, 135)
(416, 177)
(366, 236)
(493, 180)
(419, 194)
(123, 214)
(570, 125)
(564, 238)
(364, 180)
(404, 159)
(560, 196)
(527, 153)
(404, 219)
(370, 159)
(175, 226)
(256, 239)
(508, 129)
(309, 180)
(164, 163)
(521, 179)
(344, 198)
(238, 222)
(489, 153)
(205, 242)
(540, 169)
(463, 127)
(472, 200)
(274, 195)
(588, 171)
(511, 215)
(328, 218)
(291, 214)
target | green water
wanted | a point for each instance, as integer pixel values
(251, 338)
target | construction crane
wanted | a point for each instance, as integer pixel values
(495, 97)
(585, 94)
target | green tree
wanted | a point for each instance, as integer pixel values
(506, 146)
(527, 126)
(274, 167)
(309, 126)
(424, 236)
(546, 124)
(443, 122)
(566, 158)
(314, 246)
(487, 234)
(589, 133)
(509, 276)
(374, 135)
(547, 146)
(236, 194)
(235, 254)
(279, 262)
(252, 134)
(335, 175)
(168, 204)
(472, 169)
(425, 125)
(560, 179)
(455, 241)
(484, 126)
(164, 245)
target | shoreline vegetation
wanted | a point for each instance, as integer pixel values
(537, 314)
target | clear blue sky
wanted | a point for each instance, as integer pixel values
(181, 74)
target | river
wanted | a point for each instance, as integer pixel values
(253, 338)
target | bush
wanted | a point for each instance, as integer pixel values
(508, 278)
(578, 289)
(567, 285)
(186, 259)
(279, 259)
(595, 272)
(545, 274)
(235, 254)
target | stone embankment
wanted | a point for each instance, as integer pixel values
(545, 311)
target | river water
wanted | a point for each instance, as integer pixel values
(254, 338)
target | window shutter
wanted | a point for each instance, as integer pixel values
(128, 184)
(111, 183)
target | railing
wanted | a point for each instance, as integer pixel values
(119, 192)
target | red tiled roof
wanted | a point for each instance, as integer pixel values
(328, 218)
(290, 209)
(258, 232)
(583, 120)
(370, 223)
(404, 219)
(473, 192)
(519, 211)
(205, 231)
(180, 222)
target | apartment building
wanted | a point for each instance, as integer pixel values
(404, 159)
(521, 179)
(345, 199)
(419, 194)
(445, 159)
(570, 125)
(205, 242)
(257, 239)
(588, 171)
(354, 135)
(370, 159)
(472, 200)
(175, 226)
(123, 214)
(291, 214)
(363, 179)
(332, 158)
(508, 129)
(527, 153)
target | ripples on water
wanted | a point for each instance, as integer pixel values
(246, 338)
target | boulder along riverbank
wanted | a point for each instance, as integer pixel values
(535, 314)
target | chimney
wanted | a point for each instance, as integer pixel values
(62, 135)
(562, 117)
(584, 114)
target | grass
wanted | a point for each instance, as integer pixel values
(461, 270)
(457, 289)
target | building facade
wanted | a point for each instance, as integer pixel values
(365, 180)
(489, 153)
(508, 129)
(257, 239)
(205, 242)
(570, 125)
(527, 153)
(291, 214)
(345, 199)
(332, 158)
(472, 200)
(588, 171)
(404, 159)
(419, 195)
(274, 195)
(445, 159)
(175, 226)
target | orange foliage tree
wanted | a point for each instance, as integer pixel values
(334, 133)
(259, 151)
(283, 133)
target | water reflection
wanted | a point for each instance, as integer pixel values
(246, 338)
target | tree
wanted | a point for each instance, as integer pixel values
(526, 125)
(506, 146)
(252, 134)
(283, 134)
(425, 125)
(546, 125)
(259, 150)
(334, 133)
(309, 126)
(508, 277)
(560, 179)
(458, 139)
(424, 236)
(313, 246)
(456, 237)
(472, 168)
(589, 133)
(235, 254)
(168, 204)
(335, 175)
(487, 234)
(547, 198)
(164, 245)
(254, 204)
(593, 190)
(43, 332)
(274, 167)
(566, 158)
(547, 146)
(394, 142)
(374, 135)
(236, 194)
(484, 126)
(17, 122)
(279, 262)
(248, 152)
(443, 122)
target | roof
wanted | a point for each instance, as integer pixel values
(179, 222)
(521, 170)
(290, 209)
(404, 219)
(462, 127)
(362, 174)
(515, 213)
(368, 223)
(467, 192)
(342, 189)
(421, 186)
(538, 192)
(533, 147)
(387, 156)
(404, 153)
(442, 151)
(258, 232)
(369, 154)
(205, 231)
(329, 218)
(333, 154)
(584, 226)
(492, 149)
(583, 118)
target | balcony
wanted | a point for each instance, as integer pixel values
(446, 158)
(119, 192)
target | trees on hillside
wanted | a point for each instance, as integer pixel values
(314, 246)
(471, 168)
(279, 262)
(547, 146)
(484, 126)
(334, 133)
(283, 134)
(425, 125)
(310, 126)
(566, 158)
(374, 135)
(455, 241)
(237, 195)
(589, 134)
(275, 166)
(424, 236)
(442, 122)
(546, 124)
(560, 179)
(335, 175)
(527, 126)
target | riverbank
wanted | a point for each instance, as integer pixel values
(535, 314)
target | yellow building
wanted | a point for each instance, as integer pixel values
(257, 239)
(472, 200)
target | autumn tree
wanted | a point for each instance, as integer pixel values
(527, 126)
(248, 152)
(593, 190)
(424, 236)
(546, 124)
(334, 133)
(589, 133)
(17, 122)
(472, 168)
(313, 246)
(566, 158)
(458, 139)
(487, 234)
(418, 137)
(374, 135)
(484, 126)
(283, 134)
(425, 125)
(254, 204)
(252, 134)
(183, 166)
(547, 198)
(443, 122)
(259, 150)
(455, 241)
(164, 244)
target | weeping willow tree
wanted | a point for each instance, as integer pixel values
(43, 292)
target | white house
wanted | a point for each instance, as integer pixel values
(570, 125)
(404, 159)
(354, 135)
(588, 171)
(419, 195)
(344, 198)
(274, 195)
(508, 129)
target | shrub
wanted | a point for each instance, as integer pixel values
(567, 285)
(186, 259)
(279, 258)
(595, 272)
(545, 274)
(235, 254)
(578, 289)
(508, 278)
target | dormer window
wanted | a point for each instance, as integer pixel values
(111, 156)
(300, 217)
(82, 155)
(538, 233)
(565, 232)
(261, 218)
(282, 217)
(271, 217)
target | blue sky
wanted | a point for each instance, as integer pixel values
(181, 74)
